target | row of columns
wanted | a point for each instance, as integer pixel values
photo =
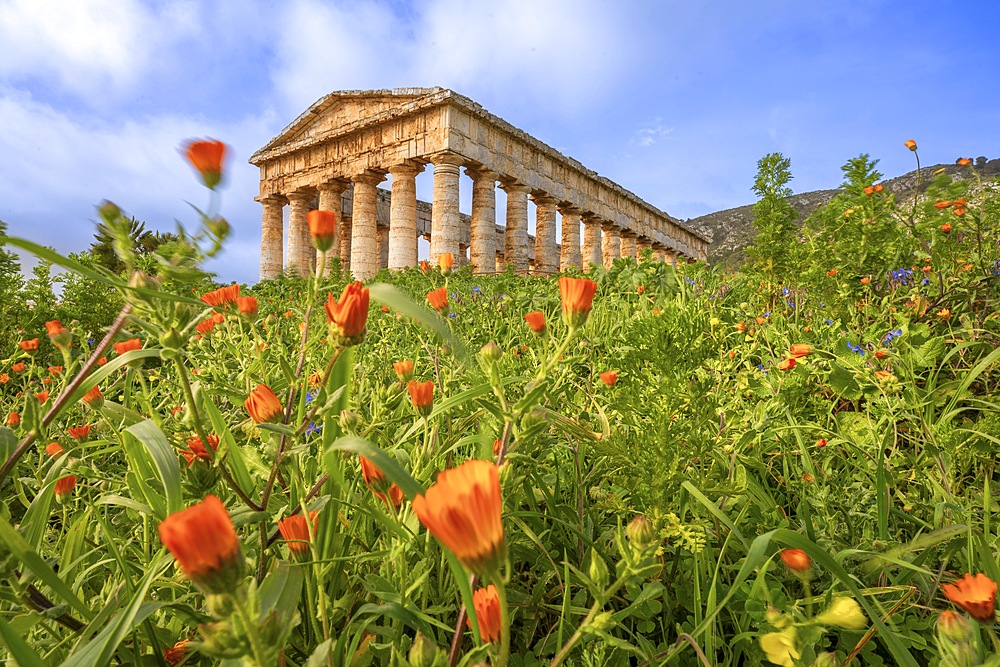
(365, 247)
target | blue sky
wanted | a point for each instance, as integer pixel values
(675, 101)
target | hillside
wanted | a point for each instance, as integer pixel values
(732, 229)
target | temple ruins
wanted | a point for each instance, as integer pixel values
(334, 156)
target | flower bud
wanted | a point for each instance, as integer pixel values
(424, 652)
(640, 531)
(491, 352)
(598, 570)
(350, 421)
(954, 626)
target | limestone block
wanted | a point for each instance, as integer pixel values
(516, 236)
(611, 247)
(403, 216)
(272, 230)
(445, 217)
(483, 228)
(364, 257)
(569, 255)
(546, 253)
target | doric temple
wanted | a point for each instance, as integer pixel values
(334, 156)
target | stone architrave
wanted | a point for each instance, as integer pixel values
(628, 244)
(345, 242)
(271, 232)
(299, 258)
(446, 220)
(546, 252)
(483, 231)
(403, 216)
(611, 248)
(364, 245)
(591, 242)
(516, 234)
(331, 198)
(569, 251)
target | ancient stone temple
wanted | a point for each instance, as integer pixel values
(334, 156)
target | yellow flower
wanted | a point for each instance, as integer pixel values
(779, 647)
(844, 613)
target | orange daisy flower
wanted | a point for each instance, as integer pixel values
(976, 594)
(487, 605)
(911, 144)
(206, 156)
(577, 299)
(64, 487)
(28, 345)
(13, 419)
(609, 378)
(262, 404)
(204, 542)
(79, 432)
(801, 350)
(438, 299)
(128, 345)
(797, 560)
(404, 369)
(93, 398)
(222, 296)
(295, 531)
(536, 321)
(446, 261)
(349, 314)
(422, 395)
(196, 450)
(54, 449)
(175, 654)
(247, 305)
(322, 229)
(787, 365)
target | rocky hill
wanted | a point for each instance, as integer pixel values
(732, 229)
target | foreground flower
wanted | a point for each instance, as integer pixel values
(58, 334)
(349, 315)
(796, 559)
(487, 605)
(843, 612)
(322, 229)
(295, 530)
(976, 594)
(204, 542)
(954, 626)
(536, 321)
(577, 299)
(787, 365)
(28, 345)
(79, 432)
(247, 305)
(93, 399)
(262, 404)
(404, 369)
(911, 144)
(221, 296)
(462, 510)
(422, 395)
(446, 261)
(176, 653)
(13, 419)
(206, 156)
(54, 449)
(781, 647)
(609, 378)
(64, 487)
(801, 350)
(196, 450)
(438, 299)
(128, 345)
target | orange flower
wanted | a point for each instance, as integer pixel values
(866, 280)
(102, 361)
(821, 443)
(796, 559)
(42, 396)
(878, 187)
(374, 478)
(911, 144)
(204, 542)
(801, 350)
(128, 345)
(404, 369)
(175, 655)
(961, 202)
(54, 449)
(350, 314)
(247, 305)
(322, 229)
(944, 313)
(64, 487)
(976, 594)
(609, 378)
(462, 510)
(963, 161)
(881, 354)
(221, 296)
(262, 404)
(741, 326)
(577, 299)
(295, 530)
(641, 289)
(58, 334)
(425, 266)
(13, 419)
(487, 605)
(942, 204)
(536, 321)
(870, 190)
(882, 375)
(196, 450)
(438, 299)
(384, 309)
(4, 378)
(205, 326)
(93, 398)
(960, 211)
(29, 345)
(831, 272)
(56, 370)
(206, 156)
(946, 227)
(396, 496)
(18, 367)
(422, 395)
(446, 261)
(787, 365)
(79, 432)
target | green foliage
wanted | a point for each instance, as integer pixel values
(773, 217)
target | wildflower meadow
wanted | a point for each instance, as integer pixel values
(786, 462)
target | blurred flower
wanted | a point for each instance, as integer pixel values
(58, 334)
(462, 510)
(741, 326)
(787, 365)
(4, 378)
(865, 280)
(780, 647)
(438, 299)
(960, 211)
(641, 289)
(28, 345)
(487, 605)
(79, 432)
(963, 161)
(222, 296)
(349, 314)
(954, 626)
(577, 299)
(944, 313)
(795, 559)
(102, 361)
(205, 326)
(879, 187)
(446, 261)
(262, 404)
(374, 478)
(55, 370)
(536, 321)
(13, 419)
(422, 395)
(911, 144)
(946, 227)
(961, 202)
(404, 369)
(425, 266)
(831, 272)
(870, 190)
(196, 450)
(54, 449)
(175, 654)
(976, 594)
(64, 487)
(204, 542)
(801, 350)
(206, 156)
(396, 496)
(640, 532)
(93, 398)
(609, 378)
(128, 345)
(942, 204)
(384, 309)
(295, 531)
(322, 229)
(883, 375)
(42, 396)
(843, 612)
(821, 442)
(247, 305)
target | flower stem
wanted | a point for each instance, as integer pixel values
(504, 624)
(250, 629)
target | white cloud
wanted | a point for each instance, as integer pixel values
(650, 134)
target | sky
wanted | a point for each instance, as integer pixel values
(674, 100)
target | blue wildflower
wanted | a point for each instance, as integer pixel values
(314, 428)
(476, 290)
(452, 315)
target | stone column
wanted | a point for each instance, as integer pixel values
(331, 198)
(483, 233)
(462, 258)
(611, 248)
(641, 245)
(445, 218)
(299, 244)
(569, 252)
(591, 242)
(382, 241)
(516, 234)
(364, 250)
(546, 253)
(670, 256)
(403, 216)
(345, 242)
(271, 232)
(628, 244)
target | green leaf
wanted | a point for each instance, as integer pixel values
(395, 299)
(164, 458)
(843, 382)
(281, 591)
(19, 649)
(386, 463)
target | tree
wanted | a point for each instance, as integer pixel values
(773, 217)
(143, 243)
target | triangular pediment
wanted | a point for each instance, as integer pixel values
(337, 113)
